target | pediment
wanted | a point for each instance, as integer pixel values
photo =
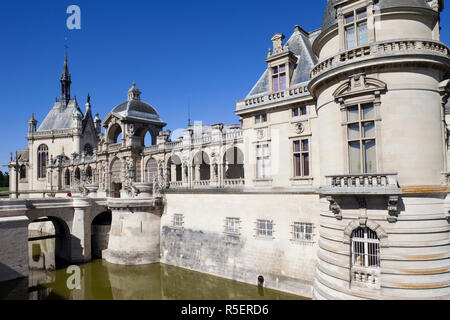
(359, 84)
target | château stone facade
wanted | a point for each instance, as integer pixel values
(333, 185)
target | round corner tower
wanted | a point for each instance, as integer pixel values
(381, 94)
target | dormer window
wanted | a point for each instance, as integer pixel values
(356, 33)
(279, 78)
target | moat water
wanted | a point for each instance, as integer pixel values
(104, 281)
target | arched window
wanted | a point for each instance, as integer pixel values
(88, 150)
(365, 256)
(202, 166)
(233, 162)
(67, 178)
(42, 161)
(88, 175)
(23, 172)
(77, 176)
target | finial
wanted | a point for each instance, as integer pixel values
(89, 98)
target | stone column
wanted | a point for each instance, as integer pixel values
(81, 232)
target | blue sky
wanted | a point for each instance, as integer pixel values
(206, 53)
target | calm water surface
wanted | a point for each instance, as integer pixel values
(104, 281)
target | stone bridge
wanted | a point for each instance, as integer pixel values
(71, 217)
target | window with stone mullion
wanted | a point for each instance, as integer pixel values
(361, 138)
(356, 32)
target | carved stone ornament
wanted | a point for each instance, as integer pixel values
(300, 128)
(392, 209)
(335, 208)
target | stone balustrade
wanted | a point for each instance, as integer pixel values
(201, 184)
(273, 97)
(233, 182)
(369, 277)
(385, 48)
(361, 184)
(176, 184)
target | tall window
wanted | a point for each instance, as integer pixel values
(42, 161)
(361, 138)
(67, 178)
(279, 78)
(301, 158)
(23, 172)
(264, 228)
(303, 231)
(262, 161)
(356, 33)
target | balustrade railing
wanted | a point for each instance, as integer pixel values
(363, 183)
(176, 184)
(391, 47)
(234, 182)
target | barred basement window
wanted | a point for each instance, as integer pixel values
(264, 228)
(365, 256)
(232, 225)
(303, 231)
(178, 221)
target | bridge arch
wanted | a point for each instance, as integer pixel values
(46, 228)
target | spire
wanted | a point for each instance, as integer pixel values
(65, 80)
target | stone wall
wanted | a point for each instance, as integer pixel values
(14, 248)
(202, 245)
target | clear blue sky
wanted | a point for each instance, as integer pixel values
(207, 52)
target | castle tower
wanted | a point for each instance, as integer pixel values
(384, 228)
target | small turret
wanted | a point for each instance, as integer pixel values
(97, 123)
(134, 93)
(32, 123)
(88, 104)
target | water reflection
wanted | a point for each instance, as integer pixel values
(104, 281)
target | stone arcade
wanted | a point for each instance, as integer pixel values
(334, 185)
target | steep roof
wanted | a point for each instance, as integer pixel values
(59, 117)
(300, 43)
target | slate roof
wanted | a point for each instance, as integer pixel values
(59, 118)
(330, 18)
(137, 109)
(300, 43)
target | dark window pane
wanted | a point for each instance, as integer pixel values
(305, 145)
(297, 167)
(296, 146)
(306, 164)
(295, 112)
